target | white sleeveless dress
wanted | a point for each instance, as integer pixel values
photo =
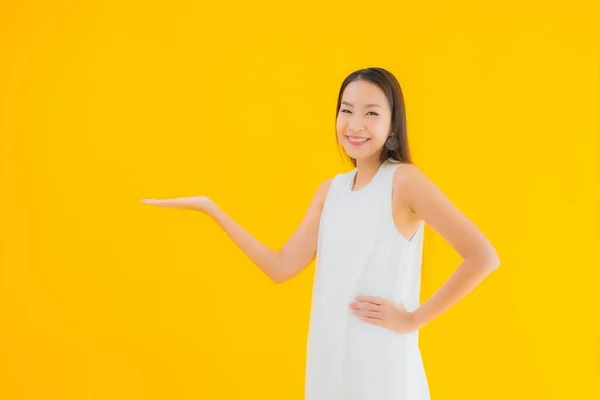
(360, 252)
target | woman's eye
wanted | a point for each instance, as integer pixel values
(374, 113)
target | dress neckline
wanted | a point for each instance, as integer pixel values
(353, 176)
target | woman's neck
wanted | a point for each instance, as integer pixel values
(365, 171)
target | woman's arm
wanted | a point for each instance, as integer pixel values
(297, 252)
(427, 201)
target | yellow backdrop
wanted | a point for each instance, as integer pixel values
(105, 103)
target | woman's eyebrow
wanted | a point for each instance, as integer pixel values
(366, 105)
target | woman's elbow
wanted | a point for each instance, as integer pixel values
(494, 261)
(490, 259)
(278, 279)
(485, 257)
(280, 276)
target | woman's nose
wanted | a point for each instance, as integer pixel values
(356, 125)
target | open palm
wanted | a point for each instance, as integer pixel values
(196, 203)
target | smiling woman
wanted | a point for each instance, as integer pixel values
(370, 108)
(366, 228)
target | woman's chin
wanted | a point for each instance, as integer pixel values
(363, 149)
(361, 153)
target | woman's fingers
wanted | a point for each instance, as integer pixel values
(369, 310)
(366, 306)
(368, 314)
(157, 202)
(176, 202)
(198, 203)
(151, 201)
(371, 299)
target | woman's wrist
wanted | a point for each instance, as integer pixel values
(418, 319)
(211, 209)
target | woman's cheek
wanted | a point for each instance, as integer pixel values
(340, 127)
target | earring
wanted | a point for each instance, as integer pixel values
(391, 143)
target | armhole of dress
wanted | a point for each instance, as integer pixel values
(389, 201)
(389, 211)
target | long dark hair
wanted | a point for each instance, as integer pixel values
(388, 83)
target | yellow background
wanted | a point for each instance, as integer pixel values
(105, 103)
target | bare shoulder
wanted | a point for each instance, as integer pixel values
(406, 172)
(322, 191)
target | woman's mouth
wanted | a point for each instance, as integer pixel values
(357, 140)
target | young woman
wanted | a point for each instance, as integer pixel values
(365, 228)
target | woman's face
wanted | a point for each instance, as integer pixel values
(364, 120)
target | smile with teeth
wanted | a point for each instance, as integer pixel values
(357, 140)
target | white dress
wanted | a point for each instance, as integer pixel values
(360, 252)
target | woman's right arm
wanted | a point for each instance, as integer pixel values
(297, 253)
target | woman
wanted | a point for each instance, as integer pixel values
(365, 228)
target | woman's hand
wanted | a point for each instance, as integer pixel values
(196, 203)
(382, 312)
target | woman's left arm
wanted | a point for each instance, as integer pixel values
(428, 202)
